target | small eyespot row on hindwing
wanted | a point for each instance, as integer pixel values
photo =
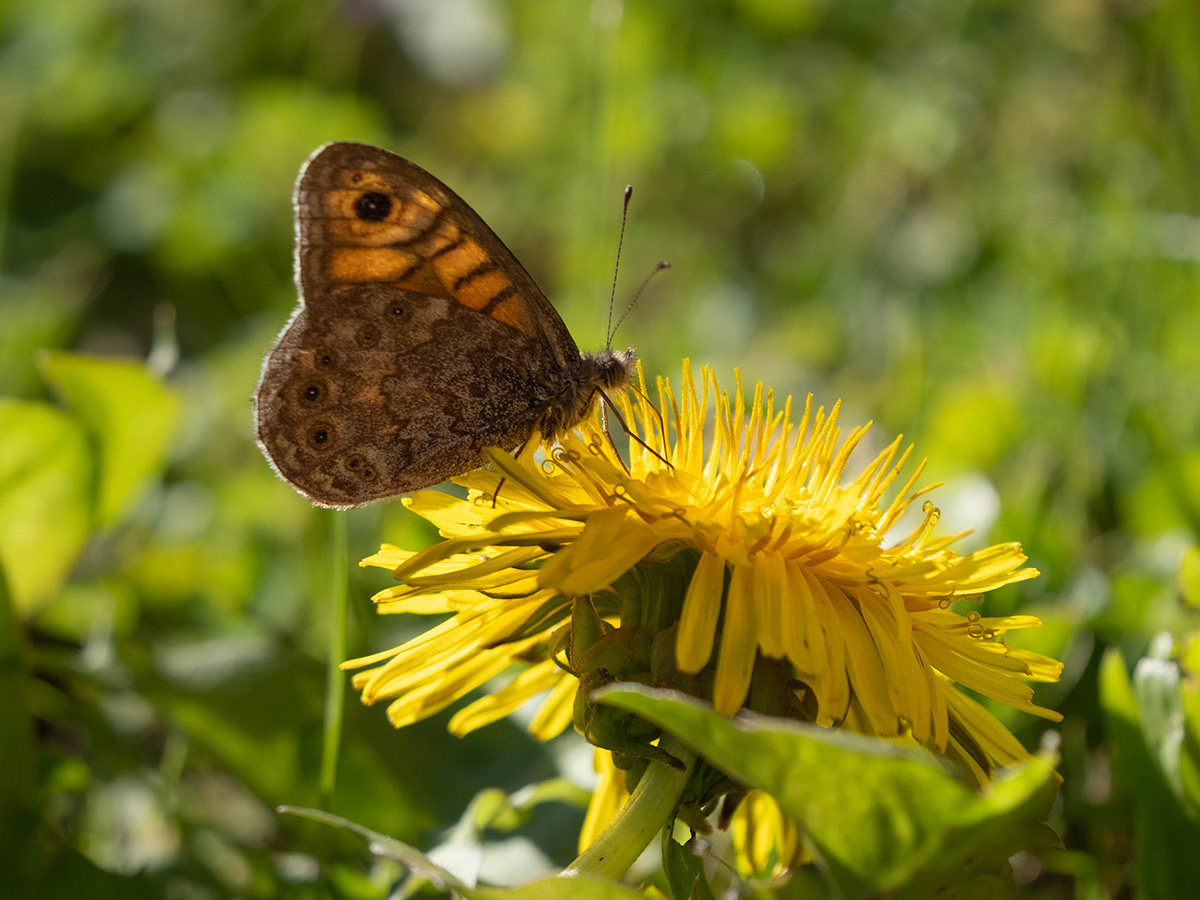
(325, 359)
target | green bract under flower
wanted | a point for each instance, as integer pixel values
(792, 571)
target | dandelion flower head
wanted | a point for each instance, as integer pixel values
(731, 556)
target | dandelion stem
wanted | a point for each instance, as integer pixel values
(649, 808)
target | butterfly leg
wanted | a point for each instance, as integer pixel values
(662, 424)
(537, 429)
(608, 434)
(629, 431)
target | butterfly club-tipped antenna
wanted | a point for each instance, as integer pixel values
(663, 264)
(612, 299)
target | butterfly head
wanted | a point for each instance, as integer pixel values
(608, 369)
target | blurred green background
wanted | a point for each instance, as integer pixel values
(976, 223)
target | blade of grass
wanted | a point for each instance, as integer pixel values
(335, 684)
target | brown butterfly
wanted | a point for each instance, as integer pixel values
(419, 339)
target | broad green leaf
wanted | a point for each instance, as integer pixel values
(422, 866)
(45, 483)
(131, 415)
(1189, 576)
(1165, 866)
(878, 817)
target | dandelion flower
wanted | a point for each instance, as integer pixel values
(732, 557)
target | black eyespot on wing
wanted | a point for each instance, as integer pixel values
(360, 467)
(321, 436)
(325, 359)
(313, 392)
(373, 206)
(368, 336)
(396, 309)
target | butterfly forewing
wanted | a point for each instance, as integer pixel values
(367, 215)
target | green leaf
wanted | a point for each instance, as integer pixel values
(45, 481)
(684, 871)
(131, 416)
(422, 866)
(877, 817)
(493, 808)
(1165, 865)
(1189, 577)
(382, 845)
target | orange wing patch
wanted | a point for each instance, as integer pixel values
(457, 260)
(513, 312)
(358, 264)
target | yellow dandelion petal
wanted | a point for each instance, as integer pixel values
(479, 573)
(600, 556)
(766, 841)
(515, 694)
(985, 728)
(452, 517)
(864, 664)
(410, 600)
(739, 641)
(388, 557)
(769, 586)
(467, 674)
(554, 715)
(701, 608)
(834, 684)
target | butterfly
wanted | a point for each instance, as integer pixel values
(419, 339)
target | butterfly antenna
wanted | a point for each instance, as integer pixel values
(612, 299)
(662, 265)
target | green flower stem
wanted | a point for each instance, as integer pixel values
(647, 811)
(335, 677)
